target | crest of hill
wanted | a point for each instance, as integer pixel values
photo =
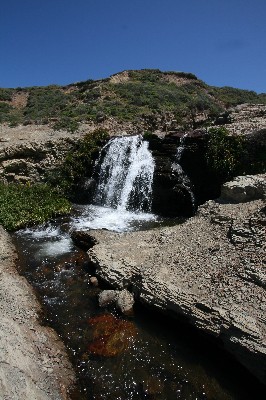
(131, 95)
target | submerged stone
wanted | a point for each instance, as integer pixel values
(111, 336)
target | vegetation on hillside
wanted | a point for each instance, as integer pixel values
(25, 205)
(143, 93)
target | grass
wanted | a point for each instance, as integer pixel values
(25, 205)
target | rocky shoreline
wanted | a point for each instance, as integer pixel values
(210, 271)
(34, 363)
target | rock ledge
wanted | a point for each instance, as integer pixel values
(210, 270)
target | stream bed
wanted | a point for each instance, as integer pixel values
(147, 356)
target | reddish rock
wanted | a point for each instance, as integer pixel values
(111, 336)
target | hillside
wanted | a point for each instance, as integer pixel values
(149, 98)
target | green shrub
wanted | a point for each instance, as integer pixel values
(78, 162)
(25, 205)
(45, 102)
(224, 153)
(231, 97)
(67, 124)
(6, 94)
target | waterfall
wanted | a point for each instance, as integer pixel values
(178, 168)
(126, 175)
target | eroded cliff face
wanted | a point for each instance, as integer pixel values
(182, 179)
(30, 161)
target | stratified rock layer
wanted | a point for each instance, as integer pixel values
(209, 270)
(33, 361)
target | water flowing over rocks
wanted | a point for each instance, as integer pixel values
(33, 360)
(209, 271)
(182, 179)
(125, 174)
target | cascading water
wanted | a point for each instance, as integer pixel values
(126, 175)
(178, 168)
(123, 196)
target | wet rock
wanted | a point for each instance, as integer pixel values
(111, 336)
(107, 297)
(83, 239)
(94, 281)
(125, 301)
(152, 386)
(76, 260)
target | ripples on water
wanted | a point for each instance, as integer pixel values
(147, 357)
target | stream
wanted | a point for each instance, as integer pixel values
(147, 356)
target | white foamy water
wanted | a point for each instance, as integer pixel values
(123, 198)
(54, 248)
(126, 175)
(41, 232)
(48, 240)
(119, 220)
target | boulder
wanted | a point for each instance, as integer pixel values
(107, 297)
(125, 301)
(94, 281)
(244, 188)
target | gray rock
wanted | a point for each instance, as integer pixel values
(107, 297)
(244, 188)
(125, 301)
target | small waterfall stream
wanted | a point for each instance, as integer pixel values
(183, 177)
(123, 197)
(126, 174)
(149, 360)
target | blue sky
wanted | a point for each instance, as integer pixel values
(63, 41)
